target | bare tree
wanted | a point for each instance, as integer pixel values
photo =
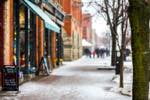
(139, 16)
(124, 27)
(115, 14)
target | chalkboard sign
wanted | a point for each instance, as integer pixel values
(10, 78)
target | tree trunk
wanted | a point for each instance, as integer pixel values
(122, 54)
(139, 20)
(124, 26)
(113, 52)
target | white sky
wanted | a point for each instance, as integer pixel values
(98, 22)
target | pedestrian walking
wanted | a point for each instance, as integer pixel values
(94, 53)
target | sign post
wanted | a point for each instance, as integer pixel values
(10, 78)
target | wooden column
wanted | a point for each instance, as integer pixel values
(53, 47)
(41, 39)
(37, 42)
(11, 36)
(8, 32)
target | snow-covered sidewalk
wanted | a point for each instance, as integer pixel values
(77, 80)
(105, 64)
(127, 81)
(100, 63)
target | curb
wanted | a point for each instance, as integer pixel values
(126, 94)
(105, 68)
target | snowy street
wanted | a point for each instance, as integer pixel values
(78, 80)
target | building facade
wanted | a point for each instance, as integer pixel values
(88, 33)
(31, 31)
(72, 29)
(87, 27)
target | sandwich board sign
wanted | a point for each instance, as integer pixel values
(10, 78)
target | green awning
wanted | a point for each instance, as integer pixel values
(47, 21)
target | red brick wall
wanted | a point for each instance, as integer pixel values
(67, 26)
(67, 6)
(76, 13)
(77, 10)
(87, 26)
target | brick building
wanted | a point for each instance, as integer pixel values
(32, 30)
(73, 29)
(87, 26)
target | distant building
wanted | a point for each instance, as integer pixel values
(72, 36)
(88, 31)
(87, 26)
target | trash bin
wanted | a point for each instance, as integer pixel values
(117, 69)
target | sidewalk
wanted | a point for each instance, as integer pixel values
(128, 70)
(77, 80)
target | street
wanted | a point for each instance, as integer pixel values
(78, 80)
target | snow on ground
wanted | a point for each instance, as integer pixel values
(128, 76)
(90, 62)
(77, 80)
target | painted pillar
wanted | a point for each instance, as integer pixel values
(41, 39)
(53, 47)
(8, 32)
(37, 42)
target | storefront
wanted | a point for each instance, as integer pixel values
(36, 38)
(57, 15)
(30, 35)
